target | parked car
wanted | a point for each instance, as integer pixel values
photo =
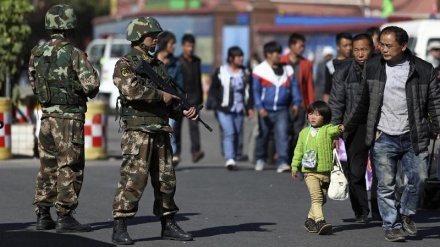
(103, 54)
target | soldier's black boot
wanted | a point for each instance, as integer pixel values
(66, 223)
(44, 220)
(120, 234)
(172, 231)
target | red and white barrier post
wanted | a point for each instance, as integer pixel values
(5, 131)
(95, 134)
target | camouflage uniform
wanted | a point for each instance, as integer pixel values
(145, 143)
(62, 78)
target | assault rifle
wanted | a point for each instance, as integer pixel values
(168, 85)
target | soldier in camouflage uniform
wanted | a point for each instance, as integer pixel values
(145, 142)
(62, 78)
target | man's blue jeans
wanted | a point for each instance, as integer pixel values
(387, 151)
(231, 124)
(278, 121)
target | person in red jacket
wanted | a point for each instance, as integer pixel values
(303, 71)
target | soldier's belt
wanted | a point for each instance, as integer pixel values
(146, 112)
(134, 122)
(64, 99)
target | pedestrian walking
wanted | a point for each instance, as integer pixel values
(303, 71)
(433, 55)
(344, 45)
(328, 53)
(343, 98)
(231, 93)
(275, 91)
(62, 79)
(374, 33)
(254, 60)
(145, 142)
(313, 157)
(165, 53)
(399, 96)
(192, 84)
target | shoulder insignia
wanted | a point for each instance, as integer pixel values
(124, 71)
(125, 58)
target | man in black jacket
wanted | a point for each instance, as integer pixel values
(343, 97)
(398, 96)
(192, 84)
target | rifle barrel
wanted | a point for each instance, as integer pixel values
(204, 124)
(164, 84)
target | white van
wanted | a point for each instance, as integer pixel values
(421, 33)
(103, 54)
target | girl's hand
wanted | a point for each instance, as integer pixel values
(341, 128)
(294, 174)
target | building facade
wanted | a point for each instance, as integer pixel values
(218, 24)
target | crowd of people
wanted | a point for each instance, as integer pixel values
(381, 98)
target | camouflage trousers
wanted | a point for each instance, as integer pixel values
(61, 149)
(143, 154)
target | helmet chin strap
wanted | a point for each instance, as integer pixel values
(148, 49)
(145, 48)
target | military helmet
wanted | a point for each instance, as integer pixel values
(141, 26)
(60, 16)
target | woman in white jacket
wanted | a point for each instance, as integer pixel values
(230, 96)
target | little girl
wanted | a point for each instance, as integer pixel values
(313, 155)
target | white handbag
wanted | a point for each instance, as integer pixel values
(338, 189)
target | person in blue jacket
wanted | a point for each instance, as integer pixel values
(275, 89)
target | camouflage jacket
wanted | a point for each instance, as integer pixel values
(142, 106)
(70, 67)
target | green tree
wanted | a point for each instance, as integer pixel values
(14, 32)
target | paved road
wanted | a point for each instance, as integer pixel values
(221, 208)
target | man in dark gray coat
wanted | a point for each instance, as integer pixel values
(398, 96)
(343, 97)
